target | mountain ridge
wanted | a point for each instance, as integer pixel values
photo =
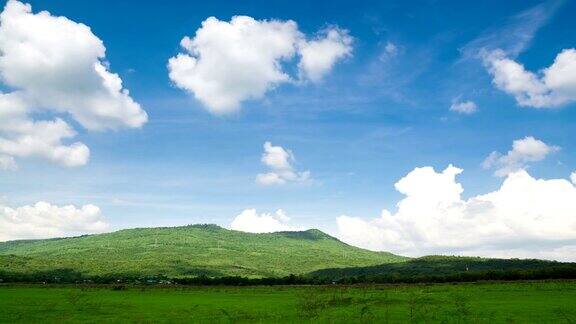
(191, 250)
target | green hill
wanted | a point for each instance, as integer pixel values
(186, 252)
(451, 267)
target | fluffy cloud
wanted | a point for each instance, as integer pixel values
(523, 151)
(227, 63)
(464, 107)
(279, 160)
(250, 221)
(552, 87)
(318, 56)
(57, 66)
(27, 138)
(43, 220)
(525, 217)
(573, 177)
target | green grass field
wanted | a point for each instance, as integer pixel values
(518, 302)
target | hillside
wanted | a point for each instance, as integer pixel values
(188, 251)
(444, 266)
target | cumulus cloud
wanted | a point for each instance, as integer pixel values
(523, 151)
(464, 107)
(573, 177)
(552, 87)
(27, 138)
(525, 217)
(318, 56)
(227, 63)
(279, 160)
(250, 221)
(43, 220)
(56, 66)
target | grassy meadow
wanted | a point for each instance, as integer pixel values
(500, 302)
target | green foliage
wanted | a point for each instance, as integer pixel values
(520, 302)
(211, 255)
(189, 251)
(450, 269)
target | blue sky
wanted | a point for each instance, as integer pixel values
(370, 121)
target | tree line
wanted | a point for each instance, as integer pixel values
(68, 276)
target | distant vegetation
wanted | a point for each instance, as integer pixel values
(450, 269)
(211, 255)
(189, 251)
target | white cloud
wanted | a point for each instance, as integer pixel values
(516, 33)
(250, 221)
(57, 66)
(227, 63)
(523, 151)
(320, 55)
(525, 217)
(464, 107)
(269, 178)
(552, 87)
(389, 51)
(279, 160)
(573, 177)
(43, 220)
(27, 138)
